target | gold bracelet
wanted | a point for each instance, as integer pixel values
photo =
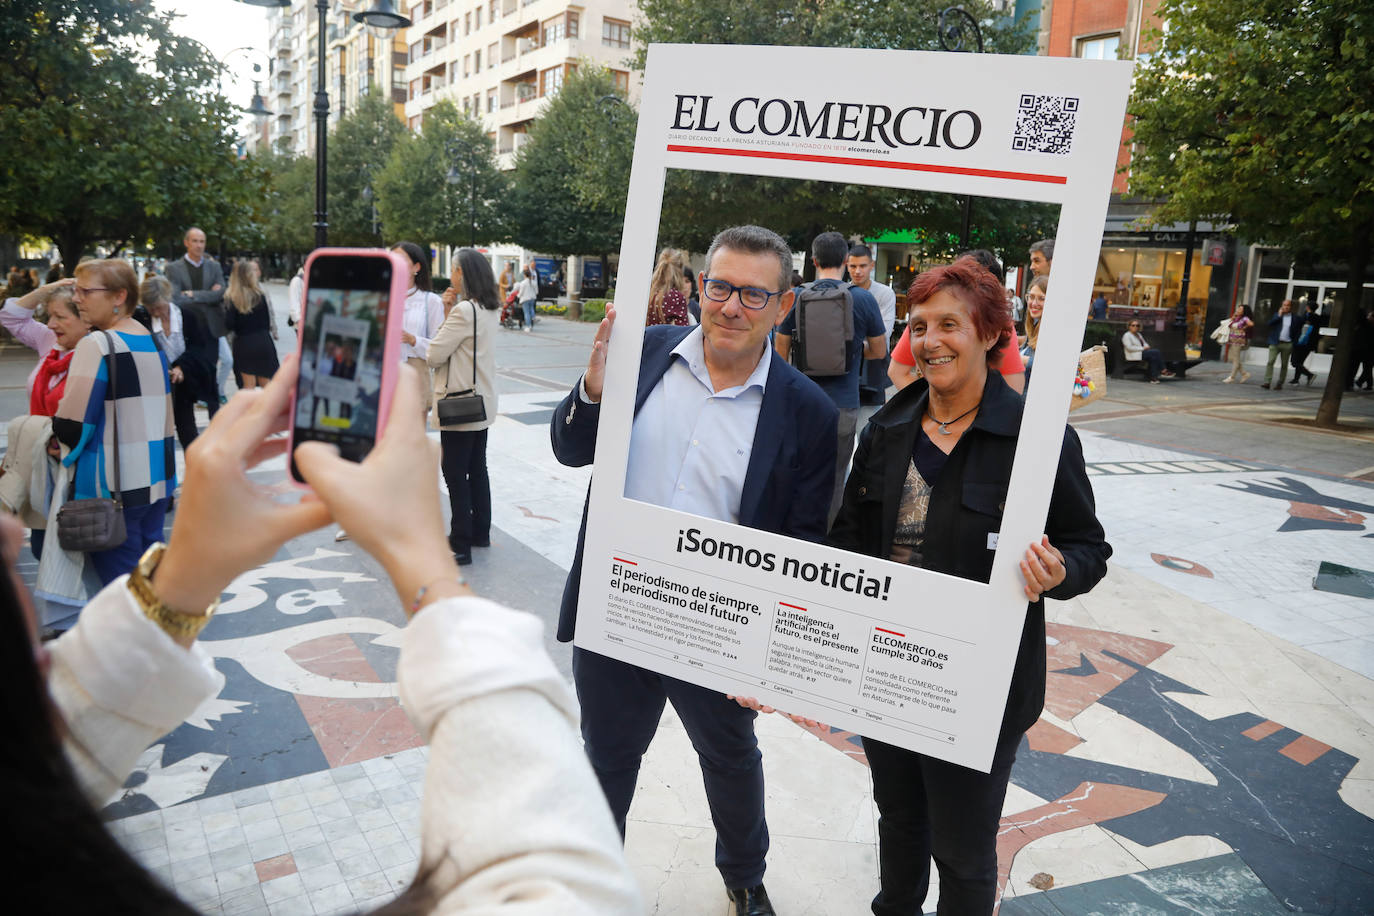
(176, 624)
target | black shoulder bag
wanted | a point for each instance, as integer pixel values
(464, 406)
(88, 525)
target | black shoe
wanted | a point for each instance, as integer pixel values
(1279, 386)
(1295, 381)
(464, 558)
(750, 901)
(1265, 386)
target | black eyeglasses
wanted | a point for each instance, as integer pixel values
(751, 297)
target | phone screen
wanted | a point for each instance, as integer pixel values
(343, 331)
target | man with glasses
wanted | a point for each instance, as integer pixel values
(198, 285)
(723, 428)
(828, 253)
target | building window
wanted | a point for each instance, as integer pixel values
(622, 81)
(467, 59)
(550, 80)
(1103, 47)
(572, 25)
(491, 55)
(615, 33)
(477, 18)
(467, 23)
(555, 30)
(476, 61)
(491, 100)
(493, 11)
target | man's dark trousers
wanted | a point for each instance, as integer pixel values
(621, 707)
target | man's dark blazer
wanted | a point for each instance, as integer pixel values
(791, 473)
(1276, 328)
(209, 303)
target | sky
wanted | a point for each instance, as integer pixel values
(222, 25)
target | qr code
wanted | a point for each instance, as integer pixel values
(1044, 124)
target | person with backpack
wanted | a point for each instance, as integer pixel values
(832, 328)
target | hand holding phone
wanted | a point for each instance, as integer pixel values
(349, 345)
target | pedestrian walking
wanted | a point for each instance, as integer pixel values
(1284, 328)
(249, 319)
(1237, 341)
(526, 293)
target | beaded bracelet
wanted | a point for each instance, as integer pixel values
(424, 590)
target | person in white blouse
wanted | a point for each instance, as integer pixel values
(512, 822)
(424, 312)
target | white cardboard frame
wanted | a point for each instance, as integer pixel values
(976, 625)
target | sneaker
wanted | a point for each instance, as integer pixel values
(1245, 377)
(1154, 381)
(527, 329)
(341, 535)
(1166, 374)
(1228, 380)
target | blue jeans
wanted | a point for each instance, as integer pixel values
(144, 527)
(528, 306)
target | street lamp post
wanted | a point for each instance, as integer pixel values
(382, 15)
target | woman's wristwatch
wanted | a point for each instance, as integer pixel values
(176, 624)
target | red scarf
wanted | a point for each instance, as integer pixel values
(43, 401)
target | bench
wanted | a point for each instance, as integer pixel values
(1170, 343)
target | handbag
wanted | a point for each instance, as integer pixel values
(466, 406)
(1223, 331)
(1090, 383)
(96, 524)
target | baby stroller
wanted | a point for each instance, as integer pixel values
(511, 315)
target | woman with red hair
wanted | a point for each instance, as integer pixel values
(939, 462)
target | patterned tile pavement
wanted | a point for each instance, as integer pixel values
(1207, 742)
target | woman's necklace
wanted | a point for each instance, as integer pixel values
(944, 424)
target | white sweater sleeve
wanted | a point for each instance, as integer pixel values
(514, 821)
(120, 683)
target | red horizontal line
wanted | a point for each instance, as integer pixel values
(794, 607)
(873, 163)
(890, 632)
(626, 562)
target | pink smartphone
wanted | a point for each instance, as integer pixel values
(349, 346)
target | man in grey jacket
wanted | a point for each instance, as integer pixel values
(198, 284)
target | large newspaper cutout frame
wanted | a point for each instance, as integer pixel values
(908, 656)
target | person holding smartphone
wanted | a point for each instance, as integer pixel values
(515, 820)
(463, 356)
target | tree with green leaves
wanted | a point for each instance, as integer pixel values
(443, 185)
(289, 208)
(572, 176)
(1260, 114)
(699, 204)
(911, 25)
(359, 147)
(117, 131)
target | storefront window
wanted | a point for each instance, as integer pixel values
(1115, 268)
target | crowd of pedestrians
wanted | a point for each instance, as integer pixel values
(740, 358)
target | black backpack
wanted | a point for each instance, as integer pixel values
(823, 345)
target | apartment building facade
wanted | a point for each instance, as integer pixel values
(357, 58)
(502, 60)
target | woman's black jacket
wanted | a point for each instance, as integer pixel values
(966, 506)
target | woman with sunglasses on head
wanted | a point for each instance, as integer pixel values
(138, 401)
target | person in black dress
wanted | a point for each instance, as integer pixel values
(249, 318)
